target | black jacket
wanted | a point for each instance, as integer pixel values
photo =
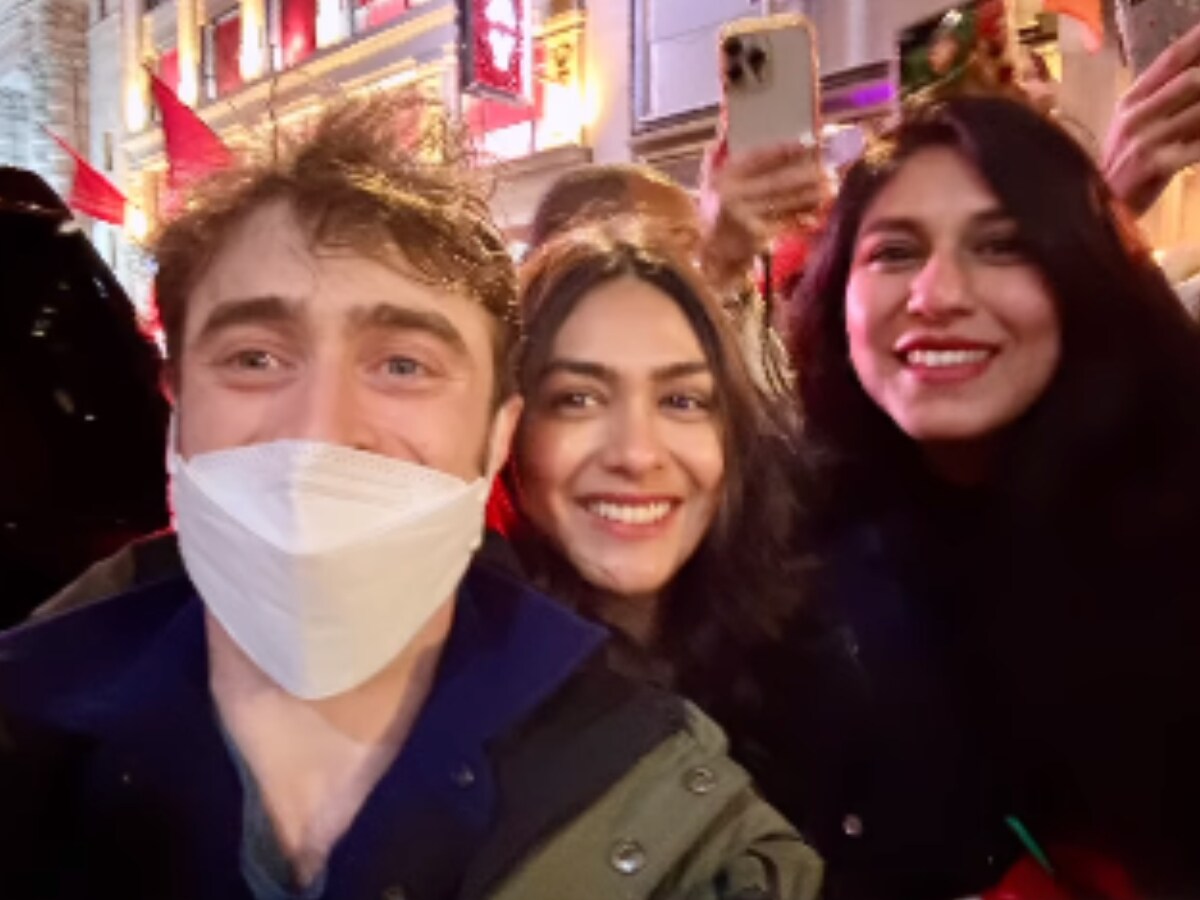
(926, 731)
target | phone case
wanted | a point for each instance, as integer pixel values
(1148, 27)
(769, 78)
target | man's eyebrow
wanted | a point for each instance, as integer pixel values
(268, 310)
(391, 317)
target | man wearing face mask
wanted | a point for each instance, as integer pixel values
(334, 701)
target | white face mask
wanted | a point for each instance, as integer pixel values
(322, 562)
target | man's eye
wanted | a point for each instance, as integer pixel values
(404, 367)
(252, 360)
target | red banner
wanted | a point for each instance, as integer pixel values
(227, 51)
(298, 24)
(484, 115)
(193, 149)
(91, 193)
(495, 48)
(372, 13)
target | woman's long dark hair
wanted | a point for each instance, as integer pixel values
(742, 582)
(1083, 573)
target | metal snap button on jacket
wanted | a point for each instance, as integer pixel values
(852, 825)
(463, 776)
(627, 857)
(700, 780)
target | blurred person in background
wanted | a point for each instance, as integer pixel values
(1000, 394)
(84, 421)
(744, 204)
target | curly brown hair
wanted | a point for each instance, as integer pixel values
(375, 175)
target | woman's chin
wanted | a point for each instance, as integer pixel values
(622, 582)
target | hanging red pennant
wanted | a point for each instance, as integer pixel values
(91, 193)
(193, 149)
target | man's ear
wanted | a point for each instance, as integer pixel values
(504, 426)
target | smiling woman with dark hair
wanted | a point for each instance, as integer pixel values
(1002, 398)
(649, 473)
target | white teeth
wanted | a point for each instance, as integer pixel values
(630, 514)
(935, 358)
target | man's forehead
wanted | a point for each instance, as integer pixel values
(263, 249)
(272, 222)
(270, 253)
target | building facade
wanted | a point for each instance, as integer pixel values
(43, 84)
(247, 66)
(610, 80)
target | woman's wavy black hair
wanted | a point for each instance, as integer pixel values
(736, 591)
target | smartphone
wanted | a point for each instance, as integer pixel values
(1148, 27)
(966, 47)
(769, 82)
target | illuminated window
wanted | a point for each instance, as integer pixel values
(295, 31)
(222, 48)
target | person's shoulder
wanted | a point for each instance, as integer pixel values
(45, 662)
(58, 679)
(146, 560)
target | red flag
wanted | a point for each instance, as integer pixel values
(1089, 12)
(193, 149)
(92, 193)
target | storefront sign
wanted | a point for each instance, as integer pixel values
(495, 48)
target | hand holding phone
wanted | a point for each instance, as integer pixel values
(1156, 130)
(748, 200)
